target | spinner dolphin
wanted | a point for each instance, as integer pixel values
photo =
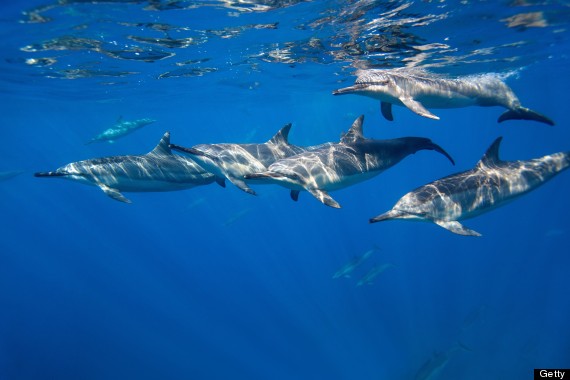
(490, 184)
(335, 166)
(158, 170)
(419, 90)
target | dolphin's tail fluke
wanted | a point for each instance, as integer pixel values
(439, 149)
(523, 113)
(420, 143)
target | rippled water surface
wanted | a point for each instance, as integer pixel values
(215, 283)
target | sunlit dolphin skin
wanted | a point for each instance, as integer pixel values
(335, 166)
(120, 129)
(158, 170)
(234, 161)
(373, 273)
(490, 184)
(347, 269)
(419, 90)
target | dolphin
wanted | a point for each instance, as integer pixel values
(347, 269)
(335, 166)
(373, 273)
(4, 176)
(432, 367)
(234, 161)
(120, 129)
(158, 170)
(490, 184)
(419, 90)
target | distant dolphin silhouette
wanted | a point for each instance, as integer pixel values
(433, 366)
(4, 176)
(234, 161)
(347, 269)
(120, 129)
(419, 90)
(159, 170)
(335, 166)
(490, 184)
(376, 270)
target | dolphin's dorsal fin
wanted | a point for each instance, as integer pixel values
(119, 119)
(355, 132)
(281, 137)
(491, 156)
(163, 146)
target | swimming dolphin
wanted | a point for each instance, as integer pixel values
(418, 90)
(433, 366)
(490, 184)
(373, 273)
(120, 129)
(233, 161)
(158, 170)
(347, 269)
(335, 166)
(9, 174)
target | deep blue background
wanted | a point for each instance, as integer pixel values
(213, 283)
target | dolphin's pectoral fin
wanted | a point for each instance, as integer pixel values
(220, 181)
(114, 193)
(242, 185)
(456, 227)
(418, 108)
(324, 197)
(295, 195)
(386, 109)
(523, 113)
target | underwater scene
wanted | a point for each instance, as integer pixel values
(225, 189)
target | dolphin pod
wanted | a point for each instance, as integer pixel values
(234, 161)
(331, 166)
(335, 166)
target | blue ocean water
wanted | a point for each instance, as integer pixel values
(214, 283)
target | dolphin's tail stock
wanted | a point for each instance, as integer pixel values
(522, 113)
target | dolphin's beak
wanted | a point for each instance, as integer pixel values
(50, 174)
(262, 175)
(350, 89)
(392, 214)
